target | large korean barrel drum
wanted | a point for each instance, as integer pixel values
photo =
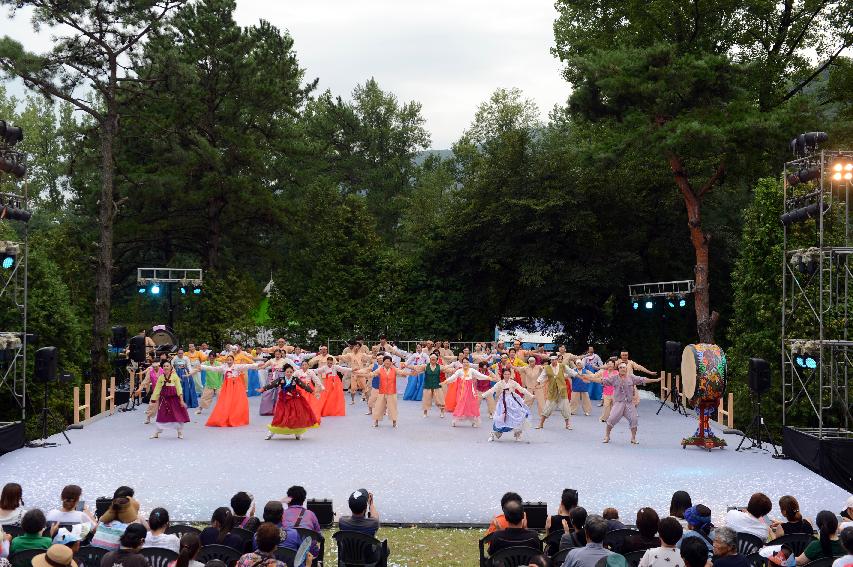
(703, 373)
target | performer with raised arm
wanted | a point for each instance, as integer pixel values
(171, 408)
(359, 361)
(623, 392)
(332, 401)
(152, 374)
(467, 399)
(633, 368)
(530, 380)
(554, 377)
(432, 384)
(310, 377)
(387, 396)
(511, 413)
(232, 408)
(293, 415)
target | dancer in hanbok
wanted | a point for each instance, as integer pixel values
(432, 384)
(511, 413)
(293, 415)
(148, 383)
(415, 383)
(623, 394)
(310, 377)
(451, 393)
(273, 365)
(232, 408)
(332, 401)
(182, 365)
(196, 358)
(467, 400)
(387, 396)
(171, 408)
(553, 376)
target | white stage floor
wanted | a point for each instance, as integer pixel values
(423, 471)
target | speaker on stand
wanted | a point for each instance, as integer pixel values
(672, 365)
(136, 348)
(758, 379)
(46, 360)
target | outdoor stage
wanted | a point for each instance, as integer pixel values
(422, 472)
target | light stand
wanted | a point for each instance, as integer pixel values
(45, 413)
(756, 430)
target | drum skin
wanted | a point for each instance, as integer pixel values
(703, 373)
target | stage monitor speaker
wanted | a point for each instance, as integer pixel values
(122, 397)
(119, 337)
(137, 349)
(323, 510)
(45, 365)
(759, 375)
(673, 351)
(537, 513)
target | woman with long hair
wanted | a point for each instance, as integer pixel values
(11, 504)
(232, 407)
(187, 552)
(511, 413)
(293, 414)
(158, 523)
(171, 407)
(795, 523)
(828, 544)
(219, 531)
(467, 400)
(332, 401)
(678, 504)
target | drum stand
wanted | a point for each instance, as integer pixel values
(756, 430)
(700, 439)
(677, 406)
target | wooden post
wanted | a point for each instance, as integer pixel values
(87, 396)
(728, 414)
(111, 398)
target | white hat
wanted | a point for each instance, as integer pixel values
(850, 502)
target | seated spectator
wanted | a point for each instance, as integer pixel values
(595, 529)
(667, 555)
(540, 561)
(693, 552)
(725, 549)
(296, 515)
(699, 525)
(847, 513)
(612, 517)
(33, 524)
(751, 520)
(795, 524)
(679, 503)
(69, 538)
(243, 507)
(11, 504)
(128, 492)
(499, 522)
(847, 543)
(515, 534)
(574, 535)
(69, 514)
(361, 503)
(113, 524)
(647, 525)
(568, 500)
(187, 552)
(274, 514)
(158, 523)
(56, 556)
(130, 544)
(267, 538)
(828, 544)
(5, 540)
(219, 531)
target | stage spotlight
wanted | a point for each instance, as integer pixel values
(811, 362)
(635, 305)
(196, 290)
(11, 134)
(649, 304)
(8, 254)
(804, 176)
(8, 211)
(800, 215)
(155, 289)
(142, 289)
(670, 303)
(183, 290)
(842, 170)
(807, 142)
(682, 303)
(800, 361)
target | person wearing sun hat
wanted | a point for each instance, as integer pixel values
(122, 512)
(57, 555)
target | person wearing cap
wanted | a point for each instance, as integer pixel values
(57, 555)
(846, 538)
(847, 513)
(553, 376)
(699, 525)
(122, 512)
(69, 538)
(128, 554)
(365, 517)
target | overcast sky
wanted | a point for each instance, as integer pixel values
(448, 54)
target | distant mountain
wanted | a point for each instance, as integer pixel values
(443, 154)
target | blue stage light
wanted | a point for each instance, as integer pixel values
(670, 303)
(800, 361)
(196, 291)
(811, 362)
(635, 305)
(142, 289)
(183, 290)
(155, 289)
(682, 303)
(8, 262)
(649, 304)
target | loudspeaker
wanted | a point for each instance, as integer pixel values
(137, 349)
(119, 337)
(536, 513)
(323, 510)
(45, 366)
(759, 375)
(672, 358)
(122, 397)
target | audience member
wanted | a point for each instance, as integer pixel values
(33, 524)
(540, 561)
(130, 544)
(69, 512)
(11, 504)
(574, 535)
(499, 522)
(568, 500)
(274, 514)
(647, 525)
(128, 492)
(219, 531)
(847, 543)
(612, 517)
(158, 523)
(5, 540)
(113, 524)
(699, 525)
(69, 538)
(296, 515)
(267, 538)
(187, 552)
(243, 508)
(515, 534)
(679, 503)
(847, 513)
(361, 502)
(790, 509)
(725, 549)
(827, 544)
(693, 552)
(667, 555)
(56, 556)
(751, 520)
(595, 529)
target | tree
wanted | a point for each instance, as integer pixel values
(675, 81)
(87, 68)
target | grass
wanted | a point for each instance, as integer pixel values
(423, 547)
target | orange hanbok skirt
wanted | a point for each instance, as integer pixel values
(332, 398)
(450, 397)
(232, 407)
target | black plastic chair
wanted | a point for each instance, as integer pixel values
(484, 543)
(747, 544)
(227, 555)
(551, 542)
(25, 558)
(822, 562)
(181, 529)
(633, 558)
(286, 555)
(755, 560)
(13, 530)
(560, 557)
(614, 540)
(90, 556)
(157, 556)
(247, 537)
(356, 549)
(318, 539)
(512, 556)
(797, 542)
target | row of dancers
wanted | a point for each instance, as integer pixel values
(304, 387)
